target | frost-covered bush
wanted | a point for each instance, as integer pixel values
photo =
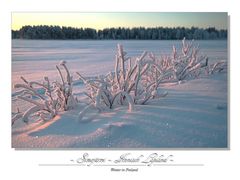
(126, 85)
(217, 67)
(179, 66)
(47, 98)
(188, 63)
(64, 89)
(115, 87)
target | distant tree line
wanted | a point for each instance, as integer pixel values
(137, 33)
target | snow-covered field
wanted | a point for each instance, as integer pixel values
(35, 58)
(192, 115)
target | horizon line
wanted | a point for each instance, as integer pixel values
(146, 27)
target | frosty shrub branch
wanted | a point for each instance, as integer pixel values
(134, 81)
(57, 96)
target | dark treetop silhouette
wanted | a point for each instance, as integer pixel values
(137, 33)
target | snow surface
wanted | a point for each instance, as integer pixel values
(35, 59)
(192, 115)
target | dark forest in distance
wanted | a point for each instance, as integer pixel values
(137, 33)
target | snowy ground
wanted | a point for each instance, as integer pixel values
(192, 115)
(34, 59)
